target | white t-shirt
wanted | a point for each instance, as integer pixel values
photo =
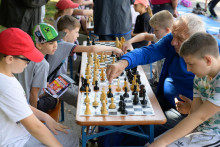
(34, 75)
(13, 108)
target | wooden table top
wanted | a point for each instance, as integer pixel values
(157, 118)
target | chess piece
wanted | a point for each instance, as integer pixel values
(98, 63)
(136, 99)
(95, 103)
(138, 88)
(94, 56)
(113, 60)
(96, 88)
(133, 83)
(112, 55)
(87, 100)
(112, 105)
(126, 93)
(125, 84)
(87, 77)
(90, 59)
(117, 42)
(88, 41)
(142, 90)
(118, 86)
(106, 58)
(87, 111)
(103, 95)
(87, 69)
(110, 93)
(144, 101)
(93, 41)
(94, 79)
(102, 57)
(83, 85)
(121, 103)
(135, 89)
(104, 110)
(102, 74)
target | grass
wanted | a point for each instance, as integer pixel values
(50, 11)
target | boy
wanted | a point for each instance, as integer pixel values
(34, 77)
(161, 22)
(202, 125)
(20, 123)
(66, 47)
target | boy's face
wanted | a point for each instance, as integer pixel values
(200, 67)
(72, 35)
(160, 32)
(48, 47)
(18, 63)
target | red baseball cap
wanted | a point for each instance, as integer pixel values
(144, 2)
(65, 4)
(14, 41)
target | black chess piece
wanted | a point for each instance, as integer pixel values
(123, 110)
(87, 85)
(122, 98)
(93, 41)
(134, 70)
(126, 93)
(96, 88)
(138, 78)
(144, 101)
(88, 41)
(136, 99)
(122, 73)
(110, 95)
(112, 55)
(135, 89)
(83, 86)
(142, 90)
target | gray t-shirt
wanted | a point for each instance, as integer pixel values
(64, 49)
(34, 75)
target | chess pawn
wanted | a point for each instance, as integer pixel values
(112, 105)
(95, 103)
(103, 95)
(94, 56)
(102, 74)
(87, 100)
(138, 88)
(106, 58)
(96, 88)
(88, 69)
(90, 60)
(144, 101)
(87, 77)
(87, 111)
(82, 88)
(102, 57)
(117, 42)
(104, 109)
(98, 63)
(109, 87)
(125, 85)
(109, 94)
(113, 60)
(118, 87)
(94, 79)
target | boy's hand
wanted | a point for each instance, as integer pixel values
(114, 70)
(183, 106)
(127, 45)
(118, 51)
(53, 125)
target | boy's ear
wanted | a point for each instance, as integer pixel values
(208, 60)
(168, 30)
(9, 59)
(39, 46)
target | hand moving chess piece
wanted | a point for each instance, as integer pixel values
(95, 103)
(87, 111)
(112, 105)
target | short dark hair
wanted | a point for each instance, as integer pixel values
(199, 45)
(67, 22)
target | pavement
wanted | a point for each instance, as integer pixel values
(70, 111)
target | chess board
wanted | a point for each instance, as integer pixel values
(132, 109)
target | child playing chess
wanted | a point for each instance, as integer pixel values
(162, 23)
(202, 126)
(142, 21)
(20, 125)
(66, 47)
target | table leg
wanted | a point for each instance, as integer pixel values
(84, 137)
(151, 133)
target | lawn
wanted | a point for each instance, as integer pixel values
(50, 11)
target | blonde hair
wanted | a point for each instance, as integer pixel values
(199, 45)
(67, 22)
(162, 19)
(149, 11)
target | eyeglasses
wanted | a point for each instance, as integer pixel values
(24, 59)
